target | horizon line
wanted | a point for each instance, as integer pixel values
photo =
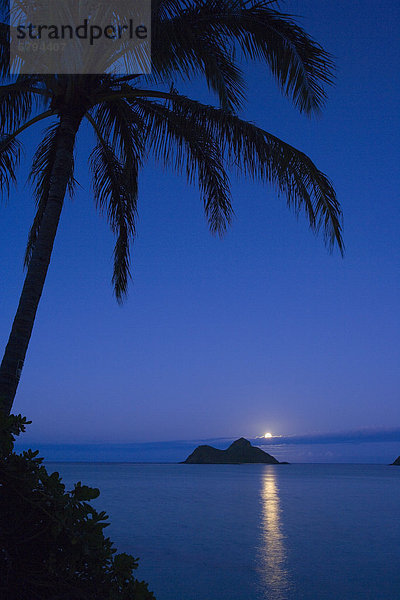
(365, 435)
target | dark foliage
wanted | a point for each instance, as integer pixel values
(52, 543)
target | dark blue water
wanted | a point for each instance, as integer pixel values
(244, 532)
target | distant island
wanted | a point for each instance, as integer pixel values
(240, 451)
(397, 462)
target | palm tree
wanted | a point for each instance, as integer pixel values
(134, 117)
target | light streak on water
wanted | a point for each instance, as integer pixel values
(275, 579)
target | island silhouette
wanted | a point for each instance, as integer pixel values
(240, 451)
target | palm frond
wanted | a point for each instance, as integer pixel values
(263, 156)
(187, 33)
(120, 125)
(300, 65)
(182, 47)
(115, 164)
(115, 191)
(9, 160)
(188, 147)
(17, 101)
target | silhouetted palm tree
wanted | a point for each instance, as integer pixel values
(137, 116)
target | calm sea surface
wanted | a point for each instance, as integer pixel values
(254, 532)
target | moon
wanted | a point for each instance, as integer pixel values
(268, 435)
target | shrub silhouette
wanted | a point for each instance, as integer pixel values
(52, 543)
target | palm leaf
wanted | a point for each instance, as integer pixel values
(299, 64)
(120, 126)
(188, 147)
(9, 160)
(17, 101)
(181, 49)
(186, 34)
(263, 156)
(115, 195)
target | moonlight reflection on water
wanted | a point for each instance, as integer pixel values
(273, 555)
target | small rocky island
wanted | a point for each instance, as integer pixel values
(397, 462)
(241, 451)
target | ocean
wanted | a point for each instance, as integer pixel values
(253, 532)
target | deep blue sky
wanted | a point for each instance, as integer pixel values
(262, 331)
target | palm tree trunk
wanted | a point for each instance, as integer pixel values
(14, 355)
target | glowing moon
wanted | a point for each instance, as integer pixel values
(268, 435)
